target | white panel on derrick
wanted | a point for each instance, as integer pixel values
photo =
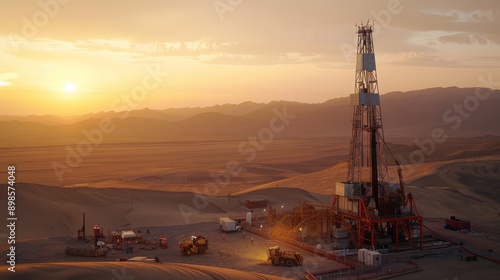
(369, 99)
(359, 62)
(365, 61)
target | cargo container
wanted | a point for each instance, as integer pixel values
(256, 202)
(373, 259)
(362, 254)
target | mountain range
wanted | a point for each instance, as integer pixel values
(460, 112)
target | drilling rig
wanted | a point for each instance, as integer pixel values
(373, 210)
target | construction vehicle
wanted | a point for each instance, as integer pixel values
(288, 258)
(196, 245)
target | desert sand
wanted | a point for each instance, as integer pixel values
(40, 250)
(233, 258)
(178, 187)
(50, 215)
(456, 185)
(118, 270)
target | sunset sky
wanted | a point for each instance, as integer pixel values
(73, 57)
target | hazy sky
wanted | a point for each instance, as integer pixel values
(79, 56)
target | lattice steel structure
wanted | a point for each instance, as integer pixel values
(366, 163)
(368, 206)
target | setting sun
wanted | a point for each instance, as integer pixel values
(69, 87)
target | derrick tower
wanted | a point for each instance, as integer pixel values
(367, 166)
(376, 213)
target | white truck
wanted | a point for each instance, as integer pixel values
(226, 224)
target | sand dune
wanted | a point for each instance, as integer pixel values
(47, 211)
(467, 189)
(464, 188)
(175, 166)
(470, 190)
(322, 181)
(128, 270)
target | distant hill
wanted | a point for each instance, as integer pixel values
(443, 107)
(457, 111)
(226, 109)
(171, 114)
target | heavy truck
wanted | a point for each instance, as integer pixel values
(228, 225)
(288, 258)
(195, 245)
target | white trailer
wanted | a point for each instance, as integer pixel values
(226, 224)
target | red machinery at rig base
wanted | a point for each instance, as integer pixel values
(456, 224)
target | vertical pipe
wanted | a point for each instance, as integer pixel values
(373, 146)
(421, 233)
(397, 235)
(372, 230)
(360, 237)
(83, 227)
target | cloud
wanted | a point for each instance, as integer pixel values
(6, 77)
(465, 38)
(5, 83)
(155, 47)
(475, 21)
(420, 59)
(225, 58)
(469, 16)
(296, 57)
(406, 56)
(257, 32)
(9, 76)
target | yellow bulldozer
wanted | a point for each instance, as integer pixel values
(195, 245)
(288, 258)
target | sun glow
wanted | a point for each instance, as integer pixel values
(69, 87)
